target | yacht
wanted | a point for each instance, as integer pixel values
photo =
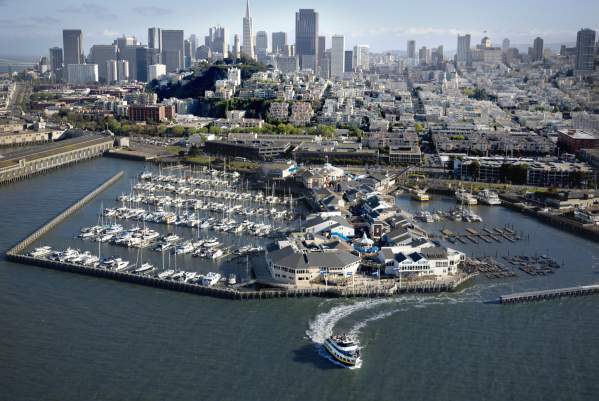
(425, 216)
(211, 279)
(184, 248)
(145, 268)
(120, 264)
(344, 349)
(465, 197)
(41, 252)
(166, 274)
(489, 197)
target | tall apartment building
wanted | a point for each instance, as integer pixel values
(585, 51)
(81, 74)
(464, 54)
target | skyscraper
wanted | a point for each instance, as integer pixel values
(537, 49)
(187, 51)
(361, 57)
(236, 47)
(194, 41)
(506, 45)
(306, 38)
(585, 50)
(154, 39)
(337, 56)
(124, 41)
(56, 60)
(411, 49)
(172, 49)
(101, 54)
(279, 41)
(72, 43)
(217, 40)
(112, 74)
(247, 49)
(463, 55)
(349, 61)
(262, 41)
(324, 69)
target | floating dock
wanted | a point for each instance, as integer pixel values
(534, 296)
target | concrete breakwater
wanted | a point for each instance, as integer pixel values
(14, 251)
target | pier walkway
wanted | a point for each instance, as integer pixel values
(533, 296)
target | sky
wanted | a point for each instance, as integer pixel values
(31, 27)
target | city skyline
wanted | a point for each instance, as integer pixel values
(423, 22)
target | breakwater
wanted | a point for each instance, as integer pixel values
(533, 296)
(14, 251)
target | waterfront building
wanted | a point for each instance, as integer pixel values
(306, 39)
(279, 42)
(81, 74)
(585, 51)
(247, 48)
(172, 50)
(72, 44)
(423, 260)
(337, 56)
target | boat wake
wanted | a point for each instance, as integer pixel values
(323, 325)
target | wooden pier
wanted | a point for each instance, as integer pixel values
(534, 296)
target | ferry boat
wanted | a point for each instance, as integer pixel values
(343, 349)
(421, 195)
(465, 197)
(489, 197)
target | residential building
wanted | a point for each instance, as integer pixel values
(147, 113)
(573, 140)
(463, 55)
(537, 49)
(301, 113)
(156, 71)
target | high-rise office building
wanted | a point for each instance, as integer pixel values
(236, 47)
(361, 57)
(279, 42)
(72, 44)
(217, 41)
(247, 49)
(412, 49)
(349, 61)
(125, 41)
(112, 74)
(56, 60)
(172, 50)
(505, 45)
(337, 56)
(187, 53)
(423, 55)
(154, 39)
(537, 49)
(194, 41)
(585, 51)
(100, 55)
(463, 54)
(306, 38)
(262, 41)
(122, 70)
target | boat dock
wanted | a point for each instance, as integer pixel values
(533, 296)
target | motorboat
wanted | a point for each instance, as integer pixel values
(344, 349)
(211, 279)
(489, 197)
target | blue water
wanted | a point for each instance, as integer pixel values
(72, 337)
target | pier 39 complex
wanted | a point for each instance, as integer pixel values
(197, 196)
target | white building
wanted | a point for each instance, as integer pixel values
(122, 67)
(338, 56)
(361, 57)
(111, 71)
(156, 71)
(234, 75)
(423, 260)
(79, 74)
